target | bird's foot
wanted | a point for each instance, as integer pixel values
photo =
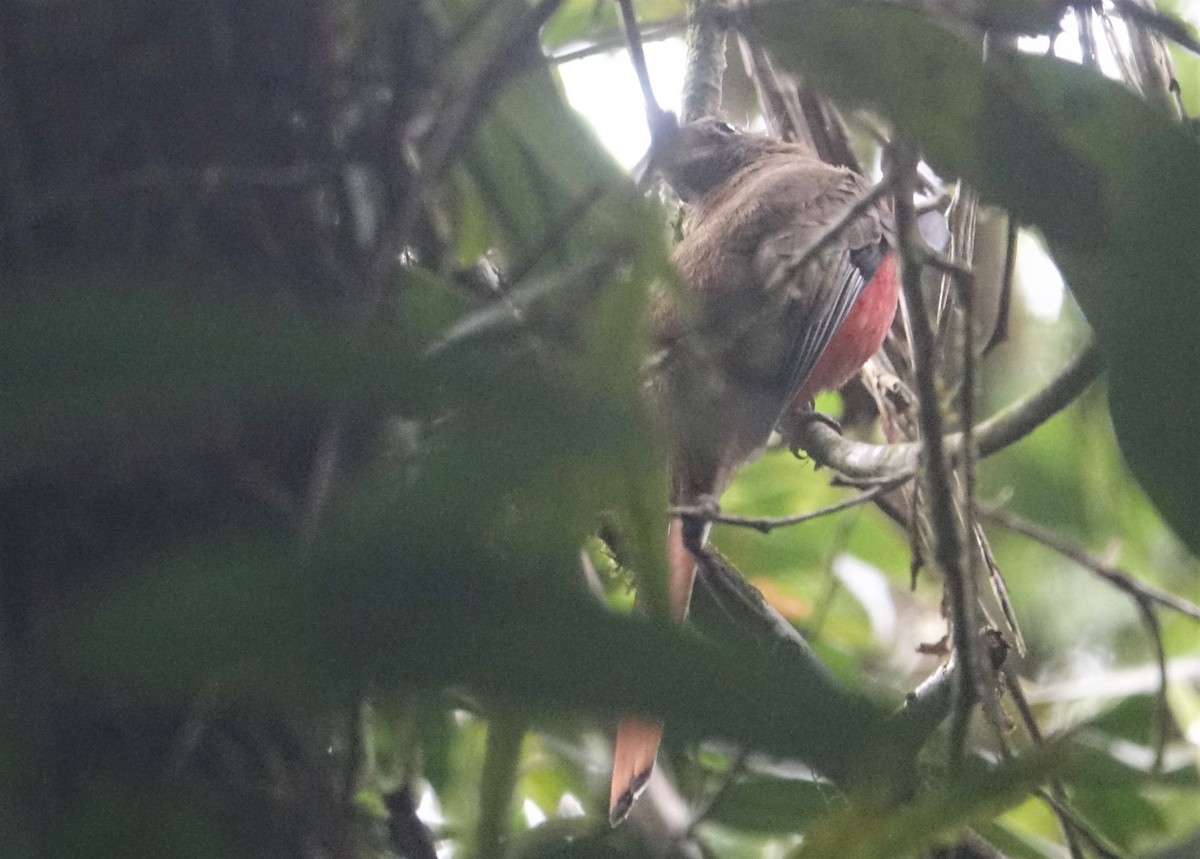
(798, 421)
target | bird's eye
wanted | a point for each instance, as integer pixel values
(725, 128)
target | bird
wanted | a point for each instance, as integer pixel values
(778, 301)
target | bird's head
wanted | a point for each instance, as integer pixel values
(696, 157)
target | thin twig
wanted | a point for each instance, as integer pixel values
(929, 257)
(964, 283)
(556, 234)
(778, 101)
(927, 705)
(727, 779)
(981, 847)
(1119, 53)
(1087, 37)
(606, 44)
(1165, 25)
(1118, 578)
(1013, 683)
(1095, 841)
(743, 604)
(1144, 596)
(869, 482)
(767, 524)
(1151, 73)
(1162, 710)
(947, 540)
(633, 38)
(953, 213)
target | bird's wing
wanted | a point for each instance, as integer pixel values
(822, 311)
(818, 295)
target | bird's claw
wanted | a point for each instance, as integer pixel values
(821, 418)
(800, 419)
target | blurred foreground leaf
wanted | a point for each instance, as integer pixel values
(856, 831)
(387, 604)
(90, 354)
(771, 805)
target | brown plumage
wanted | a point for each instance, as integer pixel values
(757, 335)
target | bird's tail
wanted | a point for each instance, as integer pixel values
(633, 761)
(637, 739)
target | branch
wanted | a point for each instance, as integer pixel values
(501, 761)
(724, 588)
(724, 595)
(865, 461)
(926, 706)
(1162, 709)
(466, 108)
(963, 281)
(1154, 73)
(705, 60)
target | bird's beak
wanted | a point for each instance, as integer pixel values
(664, 126)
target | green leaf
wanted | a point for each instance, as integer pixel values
(860, 831)
(111, 815)
(772, 805)
(1016, 844)
(474, 235)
